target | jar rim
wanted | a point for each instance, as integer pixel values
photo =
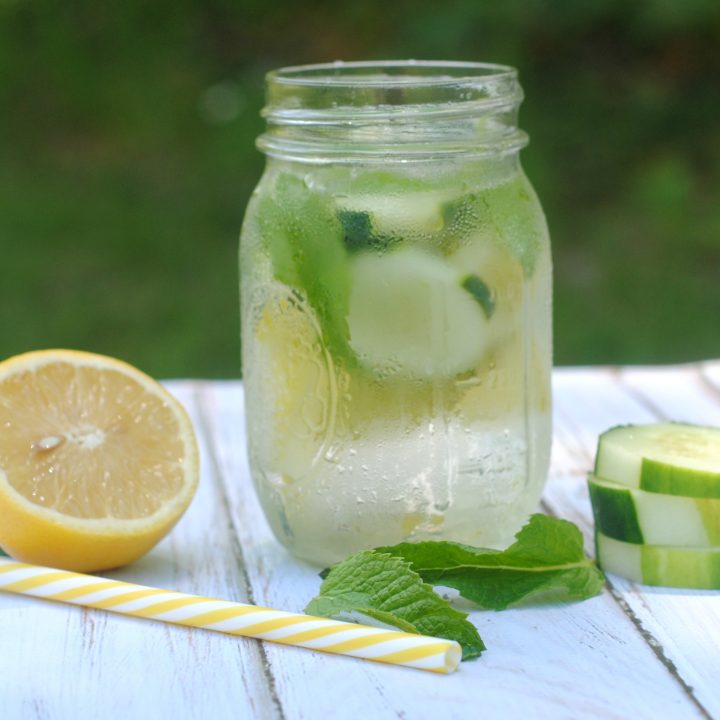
(390, 73)
(388, 108)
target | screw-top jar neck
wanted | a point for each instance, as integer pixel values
(374, 111)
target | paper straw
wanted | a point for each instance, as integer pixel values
(330, 636)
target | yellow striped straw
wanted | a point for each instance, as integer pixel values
(330, 636)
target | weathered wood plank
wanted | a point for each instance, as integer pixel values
(682, 626)
(586, 660)
(674, 393)
(59, 662)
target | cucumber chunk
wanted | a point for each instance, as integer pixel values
(663, 565)
(393, 214)
(378, 222)
(639, 517)
(410, 315)
(670, 458)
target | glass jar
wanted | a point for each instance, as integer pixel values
(396, 309)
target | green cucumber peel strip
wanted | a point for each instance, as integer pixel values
(614, 512)
(659, 477)
(481, 292)
(669, 476)
(545, 564)
(304, 239)
(710, 516)
(641, 517)
(680, 567)
(660, 565)
(373, 586)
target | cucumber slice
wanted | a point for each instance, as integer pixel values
(697, 568)
(410, 315)
(394, 215)
(669, 458)
(649, 518)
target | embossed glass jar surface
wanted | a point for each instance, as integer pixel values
(396, 309)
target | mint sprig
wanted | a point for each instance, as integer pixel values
(377, 588)
(546, 563)
(393, 585)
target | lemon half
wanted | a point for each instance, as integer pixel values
(97, 460)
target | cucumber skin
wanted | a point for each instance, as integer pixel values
(711, 520)
(615, 514)
(680, 567)
(631, 515)
(660, 477)
(664, 566)
(480, 292)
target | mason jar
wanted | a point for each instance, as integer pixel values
(396, 309)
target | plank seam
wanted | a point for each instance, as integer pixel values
(638, 395)
(616, 374)
(236, 548)
(649, 639)
(707, 383)
(653, 643)
(546, 508)
(656, 646)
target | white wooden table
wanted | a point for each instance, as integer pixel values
(634, 652)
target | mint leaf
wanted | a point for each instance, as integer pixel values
(373, 586)
(515, 213)
(277, 241)
(304, 239)
(511, 210)
(359, 234)
(546, 563)
(357, 229)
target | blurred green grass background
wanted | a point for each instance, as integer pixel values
(127, 156)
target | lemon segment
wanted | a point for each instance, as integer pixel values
(290, 382)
